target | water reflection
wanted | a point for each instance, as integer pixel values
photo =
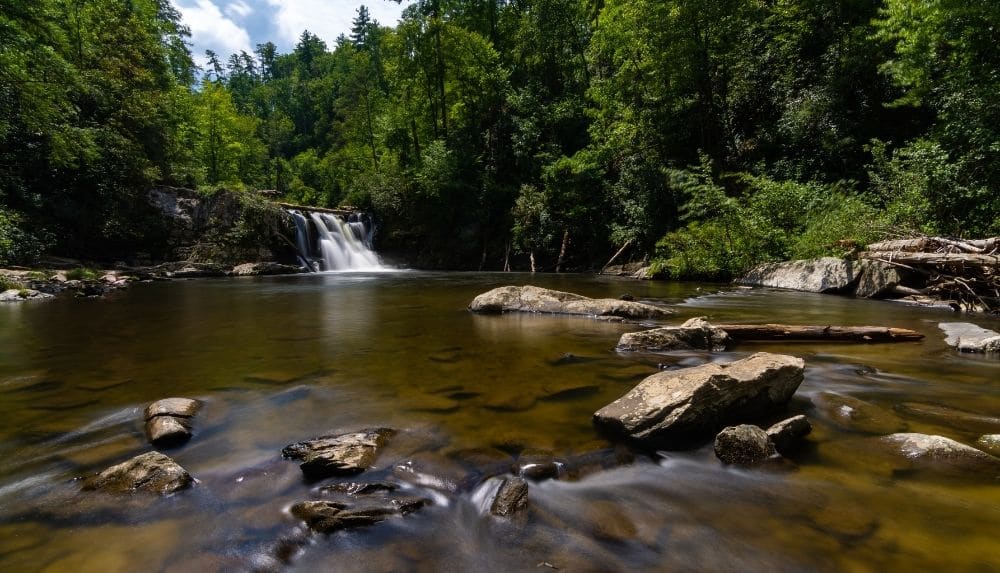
(281, 359)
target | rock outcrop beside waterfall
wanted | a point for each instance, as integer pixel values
(530, 298)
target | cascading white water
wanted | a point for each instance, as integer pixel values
(340, 245)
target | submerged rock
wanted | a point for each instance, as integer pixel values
(788, 435)
(511, 497)
(536, 299)
(827, 274)
(695, 334)
(989, 443)
(151, 472)
(968, 337)
(743, 445)
(939, 453)
(856, 415)
(338, 454)
(537, 465)
(330, 516)
(168, 421)
(358, 488)
(672, 408)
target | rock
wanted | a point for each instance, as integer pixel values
(536, 465)
(535, 299)
(178, 407)
(788, 435)
(968, 337)
(743, 445)
(167, 431)
(330, 516)
(989, 443)
(18, 295)
(857, 415)
(695, 334)
(673, 408)
(358, 488)
(197, 271)
(827, 274)
(167, 421)
(338, 454)
(877, 279)
(151, 472)
(970, 422)
(943, 454)
(511, 497)
(262, 269)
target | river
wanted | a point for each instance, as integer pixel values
(282, 359)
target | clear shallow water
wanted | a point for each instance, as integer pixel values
(282, 359)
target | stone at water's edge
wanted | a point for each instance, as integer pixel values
(17, 295)
(263, 269)
(968, 337)
(180, 407)
(989, 443)
(339, 454)
(743, 445)
(152, 472)
(877, 279)
(536, 299)
(827, 274)
(674, 408)
(330, 516)
(695, 334)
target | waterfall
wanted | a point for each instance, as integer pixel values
(328, 242)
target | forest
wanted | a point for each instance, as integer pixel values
(703, 135)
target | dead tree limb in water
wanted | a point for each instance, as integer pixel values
(742, 332)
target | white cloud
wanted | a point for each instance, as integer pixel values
(238, 9)
(327, 18)
(211, 30)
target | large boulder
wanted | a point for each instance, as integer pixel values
(877, 279)
(152, 472)
(743, 445)
(968, 337)
(827, 274)
(536, 299)
(695, 334)
(338, 454)
(674, 408)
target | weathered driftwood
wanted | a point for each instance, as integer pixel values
(310, 208)
(743, 332)
(908, 258)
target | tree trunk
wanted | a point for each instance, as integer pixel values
(832, 333)
(616, 255)
(562, 251)
(531, 255)
(506, 259)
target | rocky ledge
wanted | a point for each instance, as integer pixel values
(675, 408)
(541, 300)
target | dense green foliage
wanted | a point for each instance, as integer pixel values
(712, 134)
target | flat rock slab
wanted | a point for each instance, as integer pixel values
(263, 269)
(152, 472)
(339, 454)
(827, 274)
(968, 337)
(674, 408)
(18, 295)
(541, 300)
(695, 334)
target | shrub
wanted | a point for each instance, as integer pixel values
(82, 274)
(18, 246)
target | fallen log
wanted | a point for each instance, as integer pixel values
(745, 332)
(933, 258)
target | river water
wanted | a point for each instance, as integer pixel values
(282, 359)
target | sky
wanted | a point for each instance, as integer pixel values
(228, 26)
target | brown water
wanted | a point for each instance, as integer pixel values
(278, 360)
